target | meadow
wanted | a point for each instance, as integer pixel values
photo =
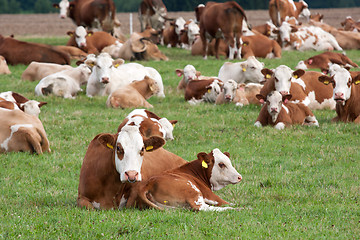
(298, 183)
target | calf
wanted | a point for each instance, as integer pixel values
(260, 46)
(189, 186)
(38, 70)
(188, 73)
(88, 41)
(21, 132)
(4, 69)
(240, 94)
(162, 125)
(322, 61)
(202, 90)
(346, 93)
(190, 33)
(134, 94)
(13, 100)
(350, 25)
(278, 112)
(171, 34)
(114, 159)
(20, 52)
(64, 84)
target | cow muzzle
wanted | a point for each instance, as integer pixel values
(105, 80)
(131, 176)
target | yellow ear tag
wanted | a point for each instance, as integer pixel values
(109, 146)
(244, 44)
(204, 164)
(116, 65)
(89, 34)
(295, 76)
(165, 202)
(244, 69)
(209, 90)
(268, 76)
(173, 124)
(326, 82)
(357, 82)
(149, 148)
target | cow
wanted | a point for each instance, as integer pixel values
(113, 161)
(21, 132)
(98, 14)
(242, 72)
(222, 19)
(239, 93)
(189, 35)
(318, 17)
(66, 83)
(13, 100)
(162, 125)
(347, 39)
(346, 93)
(171, 34)
(20, 52)
(38, 70)
(205, 90)
(74, 52)
(350, 25)
(109, 75)
(260, 46)
(300, 84)
(152, 13)
(4, 68)
(189, 73)
(279, 112)
(134, 94)
(88, 41)
(279, 9)
(189, 186)
(323, 60)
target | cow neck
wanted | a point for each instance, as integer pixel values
(351, 109)
(195, 169)
(143, 88)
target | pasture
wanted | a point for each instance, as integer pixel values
(299, 183)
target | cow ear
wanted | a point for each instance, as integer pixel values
(90, 63)
(286, 98)
(267, 73)
(243, 66)
(260, 97)
(325, 79)
(245, 43)
(241, 86)
(153, 143)
(179, 72)
(298, 73)
(118, 62)
(107, 140)
(204, 158)
(70, 33)
(89, 33)
(227, 154)
(173, 122)
(198, 73)
(42, 104)
(356, 80)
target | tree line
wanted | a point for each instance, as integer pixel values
(45, 6)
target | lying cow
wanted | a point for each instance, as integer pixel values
(322, 61)
(38, 70)
(279, 112)
(189, 73)
(112, 160)
(350, 25)
(21, 132)
(20, 52)
(4, 69)
(346, 93)
(66, 83)
(74, 52)
(206, 90)
(189, 186)
(162, 125)
(240, 94)
(13, 100)
(280, 9)
(133, 95)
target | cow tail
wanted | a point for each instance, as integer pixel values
(278, 17)
(143, 196)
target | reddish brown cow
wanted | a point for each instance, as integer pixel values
(200, 89)
(4, 68)
(20, 52)
(279, 9)
(222, 19)
(260, 46)
(189, 185)
(98, 14)
(350, 25)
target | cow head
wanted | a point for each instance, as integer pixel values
(64, 7)
(282, 77)
(285, 30)
(229, 89)
(342, 83)
(32, 107)
(214, 89)
(301, 65)
(153, 52)
(179, 25)
(80, 35)
(193, 32)
(274, 103)
(189, 72)
(219, 169)
(129, 147)
(251, 69)
(103, 66)
(168, 127)
(305, 12)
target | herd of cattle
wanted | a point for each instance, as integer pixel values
(114, 162)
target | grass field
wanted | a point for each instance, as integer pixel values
(299, 183)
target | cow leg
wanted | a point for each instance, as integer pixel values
(231, 43)
(204, 43)
(84, 202)
(199, 204)
(238, 42)
(357, 120)
(311, 121)
(217, 41)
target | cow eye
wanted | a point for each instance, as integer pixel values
(252, 68)
(222, 165)
(276, 80)
(142, 151)
(120, 150)
(98, 66)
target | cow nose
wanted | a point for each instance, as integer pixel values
(228, 97)
(62, 16)
(82, 44)
(131, 176)
(239, 178)
(274, 109)
(105, 80)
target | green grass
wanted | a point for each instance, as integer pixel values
(299, 183)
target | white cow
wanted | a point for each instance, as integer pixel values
(242, 72)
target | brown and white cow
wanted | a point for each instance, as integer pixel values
(189, 73)
(323, 60)
(99, 14)
(279, 9)
(114, 159)
(21, 132)
(222, 19)
(20, 52)
(189, 35)
(350, 25)
(279, 112)
(161, 127)
(134, 94)
(347, 39)
(346, 93)
(152, 13)
(300, 84)
(188, 186)
(203, 90)
(38, 70)
(13, 100)
(171, 34)
(88, 41)
(4, 68)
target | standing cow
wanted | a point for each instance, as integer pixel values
(152, 13)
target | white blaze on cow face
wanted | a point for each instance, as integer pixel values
(283, 75)
(31, 107)
(342, 83)
(274, 104)
(251, 69)
(189, 73)
(80, 36)
(64, 8)
(103, 66)
(229, 89)
(285, 30)
(179, 25)
(223, 173)
(193, 32)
